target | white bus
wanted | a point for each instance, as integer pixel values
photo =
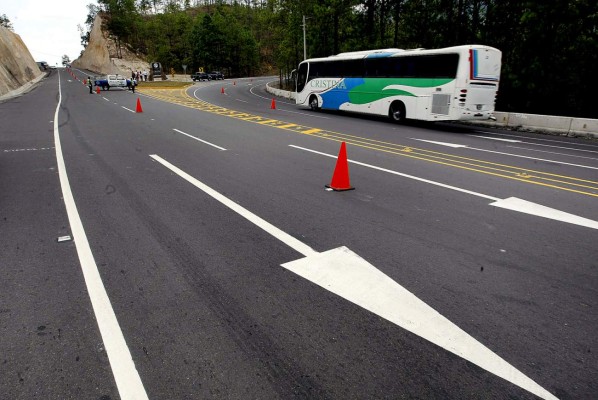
(454, 83)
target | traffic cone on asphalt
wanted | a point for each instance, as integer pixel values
(222, 90)
(138, 109)
(273, 105)
(85, 81)
(340, 177)
(97, 90)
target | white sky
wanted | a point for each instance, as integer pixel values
(48, 27)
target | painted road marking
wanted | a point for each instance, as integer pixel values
(506, 154)
(498, 139)
(536, 144)
(349, 276)
(512, 203)
(128, 109)
(200, 140)
(453, 145)
(263, 224)
(125, 374)
(540, 139)
(21, 150)
(554, 181)
(524, 206)
(554, 152)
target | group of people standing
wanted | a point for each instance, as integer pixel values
(139, 76)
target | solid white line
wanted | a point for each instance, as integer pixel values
(539, 144)
(554, 152)
(539, 139)
(532, 158)
(125, 374)
(128, 109)
(199, 140)
(265, 225)
(405, 175)
(499, 139)
(560, 147)
(505, 154)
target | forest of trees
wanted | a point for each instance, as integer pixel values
(550, 47)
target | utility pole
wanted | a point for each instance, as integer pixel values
(304, 43)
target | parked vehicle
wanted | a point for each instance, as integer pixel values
(217, 75)
(108, 81)
(200, 76)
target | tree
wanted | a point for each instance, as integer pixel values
(5, 22)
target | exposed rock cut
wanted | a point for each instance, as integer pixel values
(17, 66)
(100, 55)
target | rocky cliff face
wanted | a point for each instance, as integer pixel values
(17, 66)
(100, 55)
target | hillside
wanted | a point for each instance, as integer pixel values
(17, 66)
(100, 54)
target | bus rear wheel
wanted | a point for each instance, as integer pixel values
(397, 112)
(313, 103)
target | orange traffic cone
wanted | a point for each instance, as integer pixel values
(340, 177)
(138, 109)
(85, 81)
(273, 105)
(97, 90)
(222, 90)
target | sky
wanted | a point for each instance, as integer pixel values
(48, 27)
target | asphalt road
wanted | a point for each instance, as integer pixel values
(206, 260)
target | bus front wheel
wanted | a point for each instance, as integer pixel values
(397, 112)
(313, 103)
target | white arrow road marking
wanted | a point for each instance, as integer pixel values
(524, 206)
(346, 274)
(531, 208)
(349, 276)
(454, 145)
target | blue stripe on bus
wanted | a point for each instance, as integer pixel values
(333, 98)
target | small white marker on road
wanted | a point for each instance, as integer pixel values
(64, 239)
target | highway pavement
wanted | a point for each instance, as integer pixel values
(192, 251)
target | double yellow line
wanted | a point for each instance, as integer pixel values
(555, 181)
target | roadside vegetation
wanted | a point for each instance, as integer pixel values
(550, 48)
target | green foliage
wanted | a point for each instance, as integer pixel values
(549, 48)
(5, 22)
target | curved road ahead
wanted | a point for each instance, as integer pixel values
(191, 251)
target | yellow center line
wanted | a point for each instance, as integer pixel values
(561, 182)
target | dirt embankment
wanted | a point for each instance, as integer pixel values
(100, 55)
(17, 66)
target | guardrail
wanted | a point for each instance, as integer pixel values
(569, 126)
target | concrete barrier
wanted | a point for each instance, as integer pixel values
(279, 92)
(517, 121)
